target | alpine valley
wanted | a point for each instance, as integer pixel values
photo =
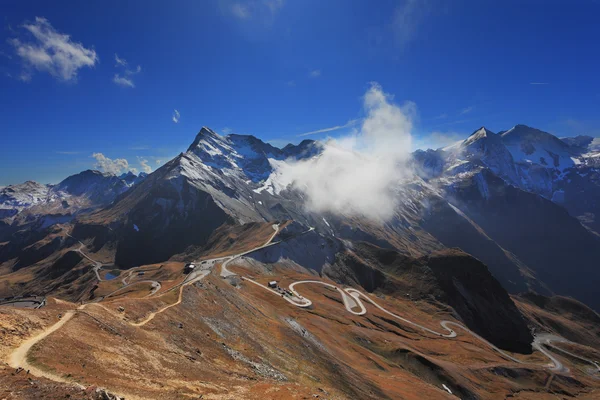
(212, 278)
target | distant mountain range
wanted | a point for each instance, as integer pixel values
(522, 201)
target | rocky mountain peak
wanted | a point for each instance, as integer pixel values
(481, 133)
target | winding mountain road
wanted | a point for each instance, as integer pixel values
(540, 341)
(351, 299)
(18, 358)
(225, 272)
(97, 265)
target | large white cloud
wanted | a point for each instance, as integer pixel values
(106, 164)
(50, 51)
(357, 174)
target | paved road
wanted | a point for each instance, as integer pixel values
(225, 272)
(352, 299)
(97, 265)
(18, 358)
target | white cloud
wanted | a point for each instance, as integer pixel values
(240, 11)
(253, 9)
(226, 131)
(176, 116)
(123, 81)
(274, 5)
(120, 61)
(315, 73)
(436, 140)
(333, 128)
(291, 83)
(406, 18)
(441, 116)
(357, 174)
(158, 162)
(467, 110)
(52, 52)
(144, 165)
(126, 77)
(106, 164)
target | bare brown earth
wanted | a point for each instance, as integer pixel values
(227, 341)
(227, 240)
(230, 339)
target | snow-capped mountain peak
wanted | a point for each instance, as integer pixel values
(532, 146)
(481, 133)
(23, 195)
(244, 154)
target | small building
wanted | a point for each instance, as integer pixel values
(273, 284)
(189, 267)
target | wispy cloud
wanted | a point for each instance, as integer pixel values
(226, 131)
(441, 116)
(240, 11)
(467, 110)
(455, 122)
(538, 83)
(438, 139)
(47, 50)
(123, 81)
(68, 152)
(315, 73)
(253, 9)
(106, 164)
(333, 128)
(176, 116)
(273, 5)
(120, 61)
(406, 18)
(140, 148)
(125, 78)
(291, 83)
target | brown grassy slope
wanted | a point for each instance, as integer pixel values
(232, 239)
(227, 342)
(564, 316)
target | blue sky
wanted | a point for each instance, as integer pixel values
(105, 77)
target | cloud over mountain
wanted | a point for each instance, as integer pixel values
(356, 174)
(106, 164)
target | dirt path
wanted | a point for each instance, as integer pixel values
(18, 358)
(165, 308)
